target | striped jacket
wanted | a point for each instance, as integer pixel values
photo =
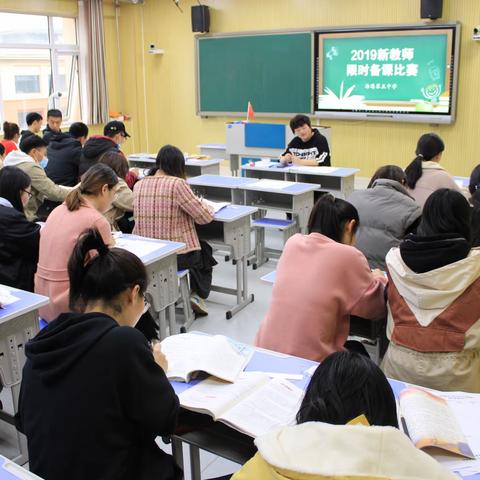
(166, 208)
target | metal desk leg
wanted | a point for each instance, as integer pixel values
(161, 318)
(243, 299)
(22, 457)
(172, 321)
(177, 452)
(195, 469)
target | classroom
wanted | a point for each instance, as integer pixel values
(239, 239)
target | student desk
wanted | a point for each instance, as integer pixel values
(231, 227)
(225, 441)
(338, 181)
(214, 150)
(220, 188)
(19, 323)
(11, 471)
(161, 264)
(193, 166)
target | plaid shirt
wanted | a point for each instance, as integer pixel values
(166, 208)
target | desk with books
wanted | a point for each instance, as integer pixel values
(239, 421)
(160, 260)
(231, 228)
(19, 323)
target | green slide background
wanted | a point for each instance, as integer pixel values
(430, 55)
(274, 72)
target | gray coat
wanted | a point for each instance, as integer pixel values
(386, 212)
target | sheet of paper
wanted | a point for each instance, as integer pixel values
(285, 376)
(273, 405)
(311, 370)
(140, 248)
(274, 184)
(6, 296)
(318, 170)
(216, 396)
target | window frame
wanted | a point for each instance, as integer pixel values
(56, 50)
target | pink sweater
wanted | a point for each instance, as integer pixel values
(434, 177)
(319, 284)
(57, 240)
(166, 208)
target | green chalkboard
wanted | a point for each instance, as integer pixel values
(274, 72)
(385, 67)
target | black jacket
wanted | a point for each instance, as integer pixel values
(49, 134)
(63, 155)
(314, 148)
(422, 254)
(93, 149)
(92, 402)
(25, 134)
(19, 240)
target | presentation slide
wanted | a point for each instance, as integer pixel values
(399, 71)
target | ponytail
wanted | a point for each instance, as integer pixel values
(92, 182)
(428, 146)
(10, 130)
(330, 215)
(103, 276)
(414, 171)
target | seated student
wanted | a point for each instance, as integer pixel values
(425, 174)
(94, 394)
(82, 209)
(2, 155)
(34, 123)
(474, 189)
(165, 207)
(54, 122)
(327, 443)
(28, 159)
(114, 134)
(122, 205)
(64, 152)
(433, 298)
(11, 134)
(321, 281)
(309, 147)
(19, 238)
(387, 214)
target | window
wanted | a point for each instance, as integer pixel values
(38, 66)
(27, 83)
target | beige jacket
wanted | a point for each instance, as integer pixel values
(123, 203)
(319, 451)
(42, 187)
(433, 178)
(434, 324)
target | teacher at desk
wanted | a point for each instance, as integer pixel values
(309, 147)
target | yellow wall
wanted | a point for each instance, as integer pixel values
(169, 96)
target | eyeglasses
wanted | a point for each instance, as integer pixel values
(147, 304)
(30, 194)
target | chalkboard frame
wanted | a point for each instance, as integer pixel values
(203, 113)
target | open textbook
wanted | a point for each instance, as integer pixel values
(216, 206)
(190, 353)
(254, 404)
(430, 422)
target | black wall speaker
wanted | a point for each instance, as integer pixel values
(431, 9)
(200, 19)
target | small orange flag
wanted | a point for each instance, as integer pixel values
(250, 112)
